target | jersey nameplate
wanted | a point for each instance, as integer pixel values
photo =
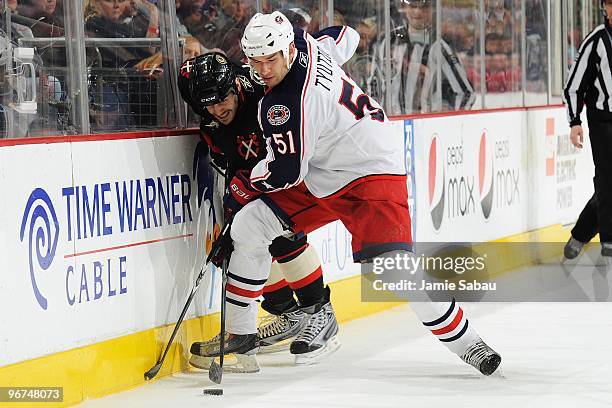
(324, 70)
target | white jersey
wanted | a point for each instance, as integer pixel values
(321, 128)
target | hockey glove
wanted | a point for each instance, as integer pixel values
(222, 248)
(240, 193)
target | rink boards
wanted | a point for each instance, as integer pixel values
(101, 236)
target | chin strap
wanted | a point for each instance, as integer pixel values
(290, 64)
(255, 76)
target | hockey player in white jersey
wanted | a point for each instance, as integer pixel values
(220, 91)
(331, 155)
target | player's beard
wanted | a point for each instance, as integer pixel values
(225, 117)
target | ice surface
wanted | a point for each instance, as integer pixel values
(553, 355)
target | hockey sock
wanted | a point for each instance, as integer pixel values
(278, 296)
(448, 322)
(303, 273)
(279, 301)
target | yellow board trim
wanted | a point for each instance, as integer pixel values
(118, 364)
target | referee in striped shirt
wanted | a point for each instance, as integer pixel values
(416, 57)
(590, 84)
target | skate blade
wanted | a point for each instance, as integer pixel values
(332, 345)
(233, 363)
(568, 261)
(597, 262)
(276, 347)
(498, 373)
(603, 263)
(203, 363)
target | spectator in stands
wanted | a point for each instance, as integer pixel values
(359, 66)
(199, 17)
(355, 11)
(153, 65)
(502, 72)
(498, 18)
(416, 58)
(12, 122)
(12, 5)
(573, 43)
(218, 26)
(181, 30)
(234, 16)
(109, 80)
(536, 47)
(143, 95)
(502, 76)
(144, 17)
(298, 17)
(196, 15)
(33, 8)
(46, 19)
(315, 25)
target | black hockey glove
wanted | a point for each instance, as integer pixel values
(223, 246)
(219, 160)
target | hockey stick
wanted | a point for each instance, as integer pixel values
(215, 372)
(149, 375)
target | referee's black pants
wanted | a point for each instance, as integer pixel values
(597, 214)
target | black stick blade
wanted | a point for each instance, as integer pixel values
(215, 373)
(149, 375)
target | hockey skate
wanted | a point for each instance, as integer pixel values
(276, 331)
(318, 337)
(604, 261)
(606, 253)
(242, 347)
(482, 357)
(606, 249)
(572, 249)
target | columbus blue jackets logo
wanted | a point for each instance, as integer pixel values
(278, 115)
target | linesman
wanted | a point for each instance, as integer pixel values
(590, 84)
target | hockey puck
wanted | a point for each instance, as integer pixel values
(213, 391)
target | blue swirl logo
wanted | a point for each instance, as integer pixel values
(43, 231)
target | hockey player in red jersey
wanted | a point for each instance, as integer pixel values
(331, 155)
(221, 92)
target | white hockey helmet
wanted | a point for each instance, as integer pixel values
(267, 34)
